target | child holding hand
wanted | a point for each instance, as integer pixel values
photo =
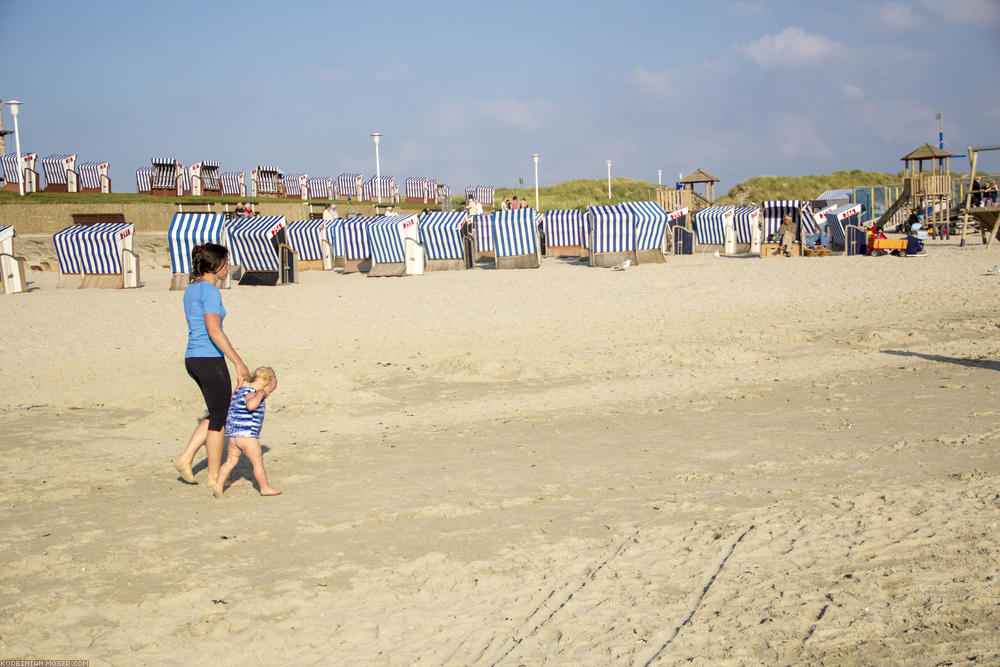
(246, 416)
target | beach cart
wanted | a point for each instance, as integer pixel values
(565, 233)
(395, 246)
(320, 187)
(57, 169)
(515, 239)
(441, 236)
(97, 255)
(348, 186)
(296, 186)
(377, 188)
(93, 177)
(233, 183)
(167, 178)
(650, 222)
(260, 247)
(611, 236)
(185, 232)
(11, 266)
(203, 179)
(266, 181)
(12, 177)
(308, 239)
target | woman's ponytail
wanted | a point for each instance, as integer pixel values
(207, 258)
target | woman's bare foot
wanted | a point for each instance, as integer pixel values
(270, 491)
(185, 470)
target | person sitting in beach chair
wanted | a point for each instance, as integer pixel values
(820, 238)
(786, 234)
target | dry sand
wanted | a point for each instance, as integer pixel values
(721, 460)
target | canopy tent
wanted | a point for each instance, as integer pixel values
(94, 177)
(515, 239)
(348, 186)
(441, 236)
(395, 246)
(565, 232)
(650, 222)
(320, 187)
(11, 266)
(167, 178)
(266, 181)
(11, 175)
(484, 193)
(97, 255)
(296, 186)
(306, 238)
(377, 187)
(203, 178)
(56, 169)
(233, 183)
(611, 235)
(185, 232)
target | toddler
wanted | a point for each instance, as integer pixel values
(246, 415)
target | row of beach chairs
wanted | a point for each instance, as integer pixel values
(63, 173)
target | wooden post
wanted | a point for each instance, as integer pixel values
(973, 157)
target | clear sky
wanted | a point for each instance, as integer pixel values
(465, 92)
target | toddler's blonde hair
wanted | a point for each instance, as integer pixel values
(262, 373)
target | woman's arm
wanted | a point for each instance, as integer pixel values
(213, 322)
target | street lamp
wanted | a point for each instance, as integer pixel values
(608, 162)
(535, 158)
(659, 177)
(378, 171)
(14, 110)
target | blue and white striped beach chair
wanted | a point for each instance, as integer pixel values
(233, 183)
(681, 236)
(515, 239)
(611, 235)
(308, 239)
(144, 179)
(57, 169)
(266, 181)
(838, 221)
(93, 177)
(377, 188)
(255, 241)
(483, 226)
(650, 231)
(320, 187)
(185, 232)
(415, 190)
(97, 255)
(203, 178)
(395, 246)
(565, 233)
(12, 177)
(348, 186)
(357, 252)
(484, 193)
(441, 236)
(710, 225)
(167, 178)
(295, 186)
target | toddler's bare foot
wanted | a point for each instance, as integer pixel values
(185, 470)
(270, 491)
(217, 491)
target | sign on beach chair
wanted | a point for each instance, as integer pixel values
(167, 178)
(395, 246)
(611, 232)
(565, 233)
(650, 222)
(515, 239)
(11, 266)
(97, 255)
(93, 177)
(308, 239)
(204, 178)
(233, 183)
(348, 186)
(441, 237)
(185, 232)
(12, 177)
(260, 246)
(266, 181)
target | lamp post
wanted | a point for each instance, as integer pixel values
(608, 162)
(659, 177)
(378, 171)
(535, 158)
(14, 110)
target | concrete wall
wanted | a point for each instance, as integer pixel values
(37, 219)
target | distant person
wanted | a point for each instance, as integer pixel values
(524, 204)
(330, 212)
(977, 193)
(514, 205)
(395, 194)
(389, 212)
(249, 209)
(240, 210)
(243, 423)
(821, 237)
(505, 204)
(477, 206)
(424, 212)
(786, 235)
(914, 240)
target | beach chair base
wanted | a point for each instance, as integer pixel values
(486, 256)
(565, 251)
(650, 257)
(259, 278)
(387, 269)
(774, 250)
(357, 265)
(444, 265)
(12, 280)
(607, 260)
(310, 265)
(519, 262)
(90, 280)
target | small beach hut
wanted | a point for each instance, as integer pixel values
(650, 222)
(377, 188)
(12, 177)
(144, 179)
(307, 238)
(611, 235)
(233, 183)
(204, 178)
(185, 232)
(484, 193)
(441, 236)
(57, 169)
(348, 186)
(97, 255)
(260, 246)
(682, 237)
(296, 186)
(167, 178)
(11, 266)
(93, 177)
(320, 187)
(395, 246)
(266, 181)
(565, 233)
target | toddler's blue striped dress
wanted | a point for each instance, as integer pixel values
(240, 422)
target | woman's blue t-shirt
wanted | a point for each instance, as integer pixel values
(200, 298)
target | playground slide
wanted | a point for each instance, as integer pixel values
(904, 197)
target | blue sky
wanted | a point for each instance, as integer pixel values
(465, 93)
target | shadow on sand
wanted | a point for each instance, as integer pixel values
(971, 363)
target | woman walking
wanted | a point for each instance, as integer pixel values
(205, 358)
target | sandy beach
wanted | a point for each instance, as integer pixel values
(717, 460)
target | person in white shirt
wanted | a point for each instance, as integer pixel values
(330, 212)
(477, 207)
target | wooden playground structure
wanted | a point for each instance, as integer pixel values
(671, 199)
(986, 216)
(924, 190)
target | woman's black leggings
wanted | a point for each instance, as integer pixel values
(212, 376)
